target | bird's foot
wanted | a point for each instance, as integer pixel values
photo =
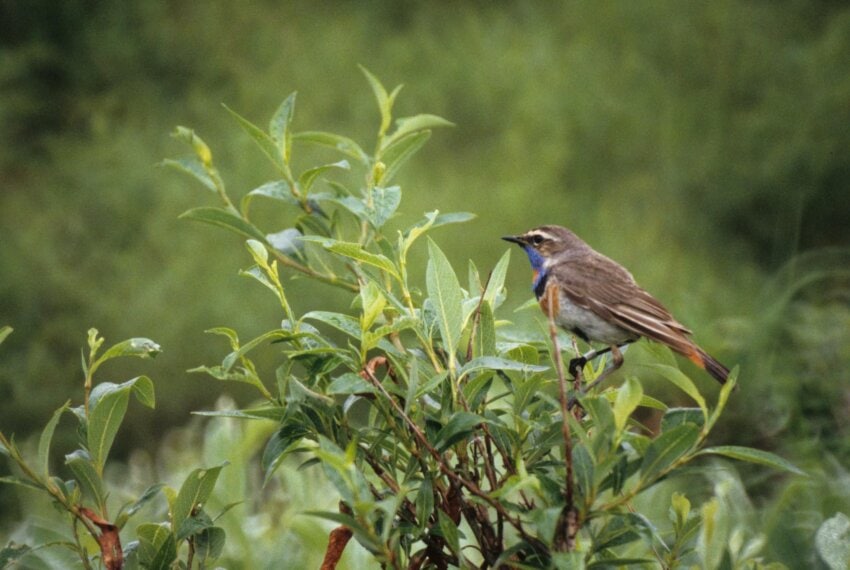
(576, 365)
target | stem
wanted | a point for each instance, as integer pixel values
(190, 557)
(567, 527)
(81, 550)
(310, 272)
(219, 186)
(476, 318)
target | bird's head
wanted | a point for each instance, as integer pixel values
(544, 243)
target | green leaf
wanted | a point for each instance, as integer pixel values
(193, 167)
(666, 449)
(397, 325)
(833, 542)
(308, 177)
(680, 508)
(384, 203)
(273, 335)
(458, 427)
(157, 546)
(650, 402)
(407, 125)
(497, 279)
(373, 303)
(450, 218)
(712, 539)
(753, 456)
(21, 482)
(104, 421)
(681, 381)
(263, 140)
(279, 125)
(45, 440)
(345, 323)
(287, 241)
(355, 251)
(396, 154)
(485, 336)
(4, 332)
(209, 543)
(498, 363)
(445, 293)
(723, 397)
(601, 412)
(678, 416)
(385, 101)
(341, 471)
(628, 399)
(274, 413)
(584, 470)
(140, 347)
(86, 475)
(276, 190)
(424, 503)
(144, 499)
(350, 383)
(343, 144)
(224, 219)
(619, 530)
(448, 529)
(195, 524)
(107, 406)
(280, 445)
(432, 220)
(196, 489)
(187, 135)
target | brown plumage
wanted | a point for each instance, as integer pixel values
(599, 299)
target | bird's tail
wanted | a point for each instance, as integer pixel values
(710, 364)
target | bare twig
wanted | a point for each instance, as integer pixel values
(108, 540)
(567, 527)
(337, 541)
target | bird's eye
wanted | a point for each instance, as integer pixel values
(536, 239)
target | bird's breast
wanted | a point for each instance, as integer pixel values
(581, 320)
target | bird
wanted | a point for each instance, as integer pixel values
(598, 300)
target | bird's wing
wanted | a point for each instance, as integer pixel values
(603, 286)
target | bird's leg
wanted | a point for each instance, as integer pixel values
(578, 362)
(616, 362)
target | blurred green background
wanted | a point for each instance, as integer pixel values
(706, 146)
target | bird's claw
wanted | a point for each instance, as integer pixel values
(575, 365)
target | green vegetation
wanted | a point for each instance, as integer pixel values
(703, 146)
(448, 441)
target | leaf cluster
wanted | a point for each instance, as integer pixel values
(84, 498)
(442, 434)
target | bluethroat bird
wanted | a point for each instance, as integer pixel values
(598, 300)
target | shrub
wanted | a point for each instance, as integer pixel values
(450, 439)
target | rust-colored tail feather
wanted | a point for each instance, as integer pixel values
(710, 364)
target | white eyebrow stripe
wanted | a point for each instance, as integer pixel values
(542, 234)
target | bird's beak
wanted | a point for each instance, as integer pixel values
(514, 239)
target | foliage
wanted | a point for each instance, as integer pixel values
(84, 499)
(444, 437)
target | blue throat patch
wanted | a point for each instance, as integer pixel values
(537, 262)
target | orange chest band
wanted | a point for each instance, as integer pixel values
(551, 295)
